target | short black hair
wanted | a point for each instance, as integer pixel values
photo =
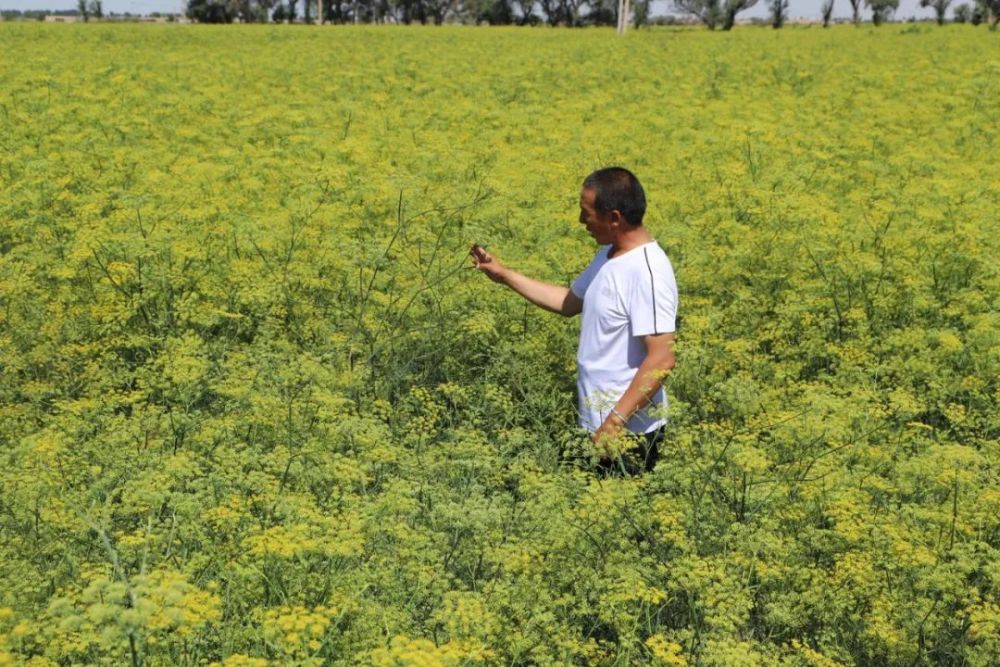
(617, 189)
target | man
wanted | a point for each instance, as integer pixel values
(628, 297)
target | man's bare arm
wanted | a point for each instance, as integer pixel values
(553, 298)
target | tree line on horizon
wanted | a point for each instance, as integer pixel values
(573, 13)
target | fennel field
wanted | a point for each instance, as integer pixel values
(256, 409)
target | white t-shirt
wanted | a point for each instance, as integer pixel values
(624, 298)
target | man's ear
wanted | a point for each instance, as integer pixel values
(617, 218)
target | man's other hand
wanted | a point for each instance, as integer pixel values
(610, 430)
(609, 440)
(487, 263)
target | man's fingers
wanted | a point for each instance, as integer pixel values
(480, 254)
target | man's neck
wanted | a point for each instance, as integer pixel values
(632, 238)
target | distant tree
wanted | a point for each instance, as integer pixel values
(552, 12)
(714, 12)
(97, 9)
(278, 15)
(827, 10)
(83, 7)
(561, 12)
(408, 11)
(262, 10)
(731, 8)
(856, 11)
(707, 11)
(990, 10)
(334, 11)
(527, 10)
(882, 9)
(602, 12)
(940, 8)
(242, 10)
(641, 12)
(494, 12)
(209, 11)
(281, 14)
(779, 12)
(963, 13)
(437, 10)
(381, 9)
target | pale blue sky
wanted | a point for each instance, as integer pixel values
(799, 8)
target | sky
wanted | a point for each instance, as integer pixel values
(798, 8)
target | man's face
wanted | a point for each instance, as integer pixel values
(598, 224)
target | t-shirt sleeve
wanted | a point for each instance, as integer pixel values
(582, 282)
(652, 297)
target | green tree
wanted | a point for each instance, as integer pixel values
(209, 11)
(731, 8)
(779, 12)
(827, 11)
(561, 12)
(83, 7)
(991, 12)
(882, 9)
(438, 10)
(602, 12)
(855, 11)
(940, 8)
(641, 13)
(713, 12)
(494, 12)
(408, 11)
(284, 13)
(526, 11)
(707, 11)
(963, 13)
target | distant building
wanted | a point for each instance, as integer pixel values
(52, 18)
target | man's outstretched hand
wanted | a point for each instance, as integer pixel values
(553, 298)
(486, 263)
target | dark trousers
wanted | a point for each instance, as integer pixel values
(637, 460)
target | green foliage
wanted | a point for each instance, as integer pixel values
(882, 9)
(988, 10)
(779, 12)
(940, 9)
(714, 12)
(210, 11)
(256, 409)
